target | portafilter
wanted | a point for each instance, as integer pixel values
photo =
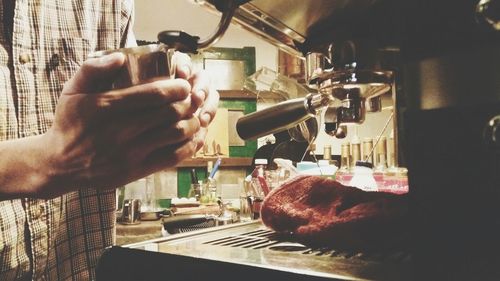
(347, 93)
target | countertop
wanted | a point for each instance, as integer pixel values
(147, 230)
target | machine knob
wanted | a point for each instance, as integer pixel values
(488, 11)
(492, 133)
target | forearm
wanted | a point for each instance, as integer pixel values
(22, 163)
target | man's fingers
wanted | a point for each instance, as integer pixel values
(165, 135)
(207, 112)
(200, 81)
(131, 124)
(154, 94)
(199, 138)
(169, 155)
(183, 66)
(95, 75)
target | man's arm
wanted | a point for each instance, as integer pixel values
(102, 139)
(22, 165)
(107, 139)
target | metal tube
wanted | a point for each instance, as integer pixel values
(227, 16)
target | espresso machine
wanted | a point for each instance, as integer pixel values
(440, 60)
(446, 80)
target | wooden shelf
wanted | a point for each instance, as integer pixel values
(226, 162)
(237, 94)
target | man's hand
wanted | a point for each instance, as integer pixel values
(204, 97)
(106, 139)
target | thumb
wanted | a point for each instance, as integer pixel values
(96, 74)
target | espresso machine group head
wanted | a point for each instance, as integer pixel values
(353, 89)
(339, 85)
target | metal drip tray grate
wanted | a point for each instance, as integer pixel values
(255, 239)
(253, 248)
(264, 238)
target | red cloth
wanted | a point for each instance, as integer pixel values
(321, 211)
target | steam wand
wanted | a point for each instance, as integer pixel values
(184, 42)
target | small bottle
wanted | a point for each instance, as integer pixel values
(327, 152)
(391, 152)
(212, 188)
(259, 177)
(363, 177)
(355, 151)
(381, 167)
(209, 188)
(344, 174)
(209, 192)
(195, 191)
(367, 150)
(345, 154)
(245, 213)
(391, 177)
(381, 155)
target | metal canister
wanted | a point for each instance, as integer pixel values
(345, 154)
(355, 152)
(381, 153)
(368, 150)
(327, 152)
(142, 64)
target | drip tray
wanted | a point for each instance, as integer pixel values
(264, 238)
(259, 252)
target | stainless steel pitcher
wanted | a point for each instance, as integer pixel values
(142, 64)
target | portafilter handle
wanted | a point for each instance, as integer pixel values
(276, 118)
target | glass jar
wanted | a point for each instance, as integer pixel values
(209, 192)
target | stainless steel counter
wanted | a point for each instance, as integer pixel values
(258, 251)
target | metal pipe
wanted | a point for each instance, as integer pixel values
(227, 15)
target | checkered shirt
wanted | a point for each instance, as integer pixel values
(41, 47)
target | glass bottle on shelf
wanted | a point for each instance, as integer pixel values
(209, 191)
(195, 191)
(259, 177)
(355, 151)
(391, 152)
(381, 167)
(395, 177)
(367, 150)
(344, 174)
(327, 152)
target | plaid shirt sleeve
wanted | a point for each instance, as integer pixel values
(61, 238)
(127, 22)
